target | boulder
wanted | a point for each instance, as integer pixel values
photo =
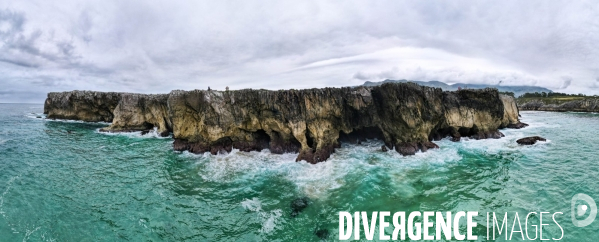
(530, 140)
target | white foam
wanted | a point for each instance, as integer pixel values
(315, 180)
(273, 218)
(253, 205)
(29, 232)
(73, 121)
(8, 186)
(270, 219)
(39, 116)
(137, 134)
(2, 141)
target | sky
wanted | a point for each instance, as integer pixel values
(158, 46)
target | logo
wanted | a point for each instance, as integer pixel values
(579, 209)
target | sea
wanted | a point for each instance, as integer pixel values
(66, 181)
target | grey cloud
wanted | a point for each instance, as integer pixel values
(567, 82)
(148, 46)
(17, 62)
(23, 49)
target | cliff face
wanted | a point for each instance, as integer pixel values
(127, 111)
(312, 122)
(586, 105)
(136, 112)
(82, 105)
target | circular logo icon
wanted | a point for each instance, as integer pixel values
(581, 209)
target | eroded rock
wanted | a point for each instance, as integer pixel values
(530, 140)
(141, 112)
(517, 125)
(82, 105)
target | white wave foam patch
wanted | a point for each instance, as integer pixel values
(405, 171)
(315, 180)
(534, 124)
(492, 146)
(270, 219)
(2, 141)
(39, 116)
(73, 121)
(8, 187)
(239, 165)
(137, 134)
(496, 146)
(538, 119)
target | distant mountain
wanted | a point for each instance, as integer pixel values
(517, 90)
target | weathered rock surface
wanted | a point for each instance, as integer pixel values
(82, 105)
(141, 112)
(585, 105)
(530, 140)
(127, 111)
(311, 122)
(517, 125)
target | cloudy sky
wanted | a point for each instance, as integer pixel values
(156, 46)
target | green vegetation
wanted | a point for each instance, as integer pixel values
(508, 93)
(550, 94)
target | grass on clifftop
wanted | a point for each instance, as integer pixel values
(549, 100)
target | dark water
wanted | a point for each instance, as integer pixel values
(64, 181)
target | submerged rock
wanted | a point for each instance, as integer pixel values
(530, 140)
(411, 148)
(298, 205)
(384, 148)
(322, 233)
(517, 125)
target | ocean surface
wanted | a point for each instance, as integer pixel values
(65, 181)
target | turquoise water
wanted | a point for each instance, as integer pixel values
(64, 181)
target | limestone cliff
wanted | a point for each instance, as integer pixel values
(141, 112)
(82, 105)
(311, 122)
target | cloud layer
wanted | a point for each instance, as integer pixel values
(155, 46)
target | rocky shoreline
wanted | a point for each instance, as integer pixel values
(310, 122)
(585, 105)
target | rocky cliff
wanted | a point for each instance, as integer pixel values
(585, 105)
(311, 122)
(82, 105)
(136, 112)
